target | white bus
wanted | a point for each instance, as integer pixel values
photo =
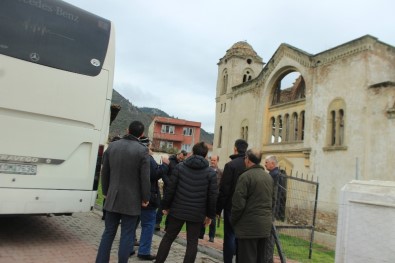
(56, 77)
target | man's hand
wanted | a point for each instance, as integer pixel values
(144, 204)
(165, 212)
(207, 221)
(165, 159)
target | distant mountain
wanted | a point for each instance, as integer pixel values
(154, 112)
(129, 112)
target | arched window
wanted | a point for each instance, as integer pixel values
(336, 123)
(247, 75)
(220, 137)
(224, 82)
(295, 126)
(287, 109)
(279, 128)
(301, 126)
(286, 127)
(341, 127)
(244, 130)
(273, 128)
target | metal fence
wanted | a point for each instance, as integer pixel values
(295, 216)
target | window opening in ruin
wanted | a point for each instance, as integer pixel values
(247, 75)
(302, 121)
(286, 135)
(244, 133)
(290, 88)
(273, 125)
(333, 127)
(224, 82)
(220, 137)
(295, 126)
(336, 124)
(341, 127)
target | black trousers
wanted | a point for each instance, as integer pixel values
(253, 250)
(173, 228)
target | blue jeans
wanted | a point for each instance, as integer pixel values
(148, 219)
(112, 222)
(229, 239)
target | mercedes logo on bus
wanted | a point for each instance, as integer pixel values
(34, 57)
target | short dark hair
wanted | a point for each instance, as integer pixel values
(200, 149)
(183, 152)
(241, 145)
(254, 156)
(136, 128)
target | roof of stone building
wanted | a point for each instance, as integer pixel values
(242, 48)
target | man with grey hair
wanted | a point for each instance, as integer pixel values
(251, 215)
(279, 180)
(280, 186)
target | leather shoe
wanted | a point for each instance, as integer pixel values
(211, 239)
(136, 243)
(132, 253)
(146, 257)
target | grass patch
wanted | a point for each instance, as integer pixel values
(298, 249)
(99, 200)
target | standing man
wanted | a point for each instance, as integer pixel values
(190, 198)
(280, 193)
(214, 159)
(126, 187)
(148, 213)
(280, 183)
(174, 160)
(232, 170)
(252, 210)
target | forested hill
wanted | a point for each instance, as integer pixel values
(129, 112)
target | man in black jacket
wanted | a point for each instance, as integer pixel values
(231, 173)
(190, 198)
(173, 161)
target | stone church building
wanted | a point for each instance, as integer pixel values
(335, 121)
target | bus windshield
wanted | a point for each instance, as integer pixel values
(36, 30)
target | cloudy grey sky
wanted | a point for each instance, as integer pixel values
(168, 50)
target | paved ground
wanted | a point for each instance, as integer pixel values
(74, 239)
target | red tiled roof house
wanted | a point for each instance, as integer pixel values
(168, 133)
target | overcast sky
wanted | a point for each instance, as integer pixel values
(167, 50)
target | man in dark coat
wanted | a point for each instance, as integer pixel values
(148, 214)
(232, 170)
(126, 187)
(252, 210)
(190, 198)
(280, 192)
(173, 161)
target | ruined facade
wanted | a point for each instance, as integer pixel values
(335, 122)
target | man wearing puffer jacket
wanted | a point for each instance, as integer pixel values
(190, 198)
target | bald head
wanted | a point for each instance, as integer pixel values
(253, 157)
